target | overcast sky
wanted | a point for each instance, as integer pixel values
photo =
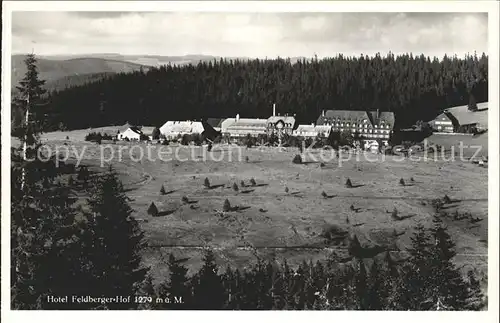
(248, 35)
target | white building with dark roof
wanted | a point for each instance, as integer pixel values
(461, 119)
(131, 133)
(373, 124)
(241, 127)
(280, 125)
(173, 129)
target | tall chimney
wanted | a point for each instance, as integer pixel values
(323, 113)
(274, 109)
(238, 117)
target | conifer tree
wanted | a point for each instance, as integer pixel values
(162, 190)
(229, 282)
(235, 187)
(415, 287)
(152, 209)
(297, 159)
(448, 285)
(253, 182)
(209, 292)
(377, 290)
(476, 297)
(43, 227)
(227, 206)
(348, 183)
(206, 183)
(147, 289)
(176, 290)
(112, 243)
(361, 287)
(472, 106)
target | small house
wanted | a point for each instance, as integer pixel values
(461, 120)
(132, 133)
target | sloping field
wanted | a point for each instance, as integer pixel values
(472, 144)
(267, 221)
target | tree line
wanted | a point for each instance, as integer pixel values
(413, 87)
(62, 248)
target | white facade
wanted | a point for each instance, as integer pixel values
(129, 134)
(172, 129)
(241, 127)
(312, 131)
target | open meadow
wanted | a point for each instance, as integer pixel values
(284, 214)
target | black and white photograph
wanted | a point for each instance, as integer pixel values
(266, 157)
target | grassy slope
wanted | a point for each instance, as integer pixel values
(293, 220)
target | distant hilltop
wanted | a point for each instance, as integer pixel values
(60, 71)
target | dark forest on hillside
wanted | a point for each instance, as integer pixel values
(415, 88)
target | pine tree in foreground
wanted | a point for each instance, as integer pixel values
(447, 283)
(235, 187)
(402, 182)
(476, 298)
(209, 290)
(206, 183)
(44, 233)
(415, 286)
(176, 289)
(112, 243)
(147, 289)
(162, 190)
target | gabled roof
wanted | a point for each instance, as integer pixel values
(246, 123)
(464, 116)
(215, 122)
(125, 127)
(386, 117)
(133, 129)
(147, 130)
(353, 116)
(357, 116)
(285, 119)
